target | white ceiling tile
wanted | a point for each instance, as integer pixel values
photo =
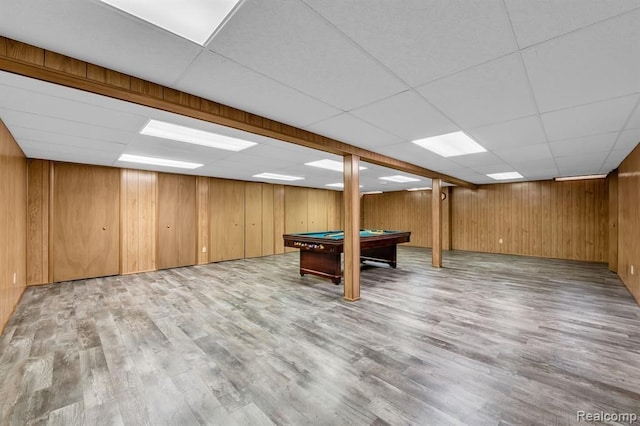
(582, 164)
(592, 119)
(52, 106)
(406, 115)
(288, 42)
(221, 80)
(535, 167)
(352, 130)
(598, 62)
(509, 134)
(56, 139)
(489, 93)
(99, 34)
(72, 154)
(163, 148)
(634, 120)
(628, 140)
(587, 144)
(477, 160)
(530, 152)
(536, 21)
(421, 41)
(20, 119)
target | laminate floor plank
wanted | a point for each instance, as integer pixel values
(488, 339)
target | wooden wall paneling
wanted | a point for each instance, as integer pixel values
(317, 210)
(613, 221)
(253, 220)
(629, 222)
(268, 222)
(202, 208)
(138, 222)
(86, 222)
(544, 218)
(296, 210)
(13, 224)
(38, 222)
(227, 212)
(334, 208)
(187, 218)
(446, 219)
(278, 219)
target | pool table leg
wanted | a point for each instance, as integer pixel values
(322, 264)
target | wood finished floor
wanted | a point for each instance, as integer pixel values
(488, 339)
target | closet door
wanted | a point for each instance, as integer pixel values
(226, 210)
(85, 224)
(318, 210)
(176, 220)
(253, 220)
(295, 211)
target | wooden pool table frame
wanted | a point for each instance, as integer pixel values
(322, 256)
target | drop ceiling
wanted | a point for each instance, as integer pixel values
(548, 88)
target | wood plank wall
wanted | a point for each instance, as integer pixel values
(13, 224)
(629, 222)
(258, 209)
(405, 211)
(567, 220)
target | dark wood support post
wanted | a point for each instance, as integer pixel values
(436, 230)
(351, 227)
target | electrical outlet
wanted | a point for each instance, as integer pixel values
(15, 277)
(204, 249)
(500, 241)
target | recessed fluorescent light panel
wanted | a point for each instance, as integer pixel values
(451, 144)
(337, 166)
(400, 178)
(337, 185)
(194, 20)
(372, 192)
(175, 132)
(426, 188)
(505, 176)
(158, 161)
(585, 177)
(275, 176)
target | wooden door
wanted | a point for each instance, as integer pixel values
(268, 221)
(85, 224)
(253, 220)
(295, 211)
(226, 210)
(318, 210)
(176, 220)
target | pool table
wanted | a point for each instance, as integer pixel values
(320, 252)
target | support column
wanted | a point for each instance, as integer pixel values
(436, 223)
(351, 227)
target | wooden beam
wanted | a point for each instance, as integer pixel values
(351, 228)
(436, 209)
(29, 61)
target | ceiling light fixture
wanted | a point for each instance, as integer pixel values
(337, 166)
(585, 177)
(194, 20)
(426, 188)
(337, 185)
(175, 132)
(505, 176)
(400, 178)
(276, 176)
(372, 192)
(450, 144)
(126, 158)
